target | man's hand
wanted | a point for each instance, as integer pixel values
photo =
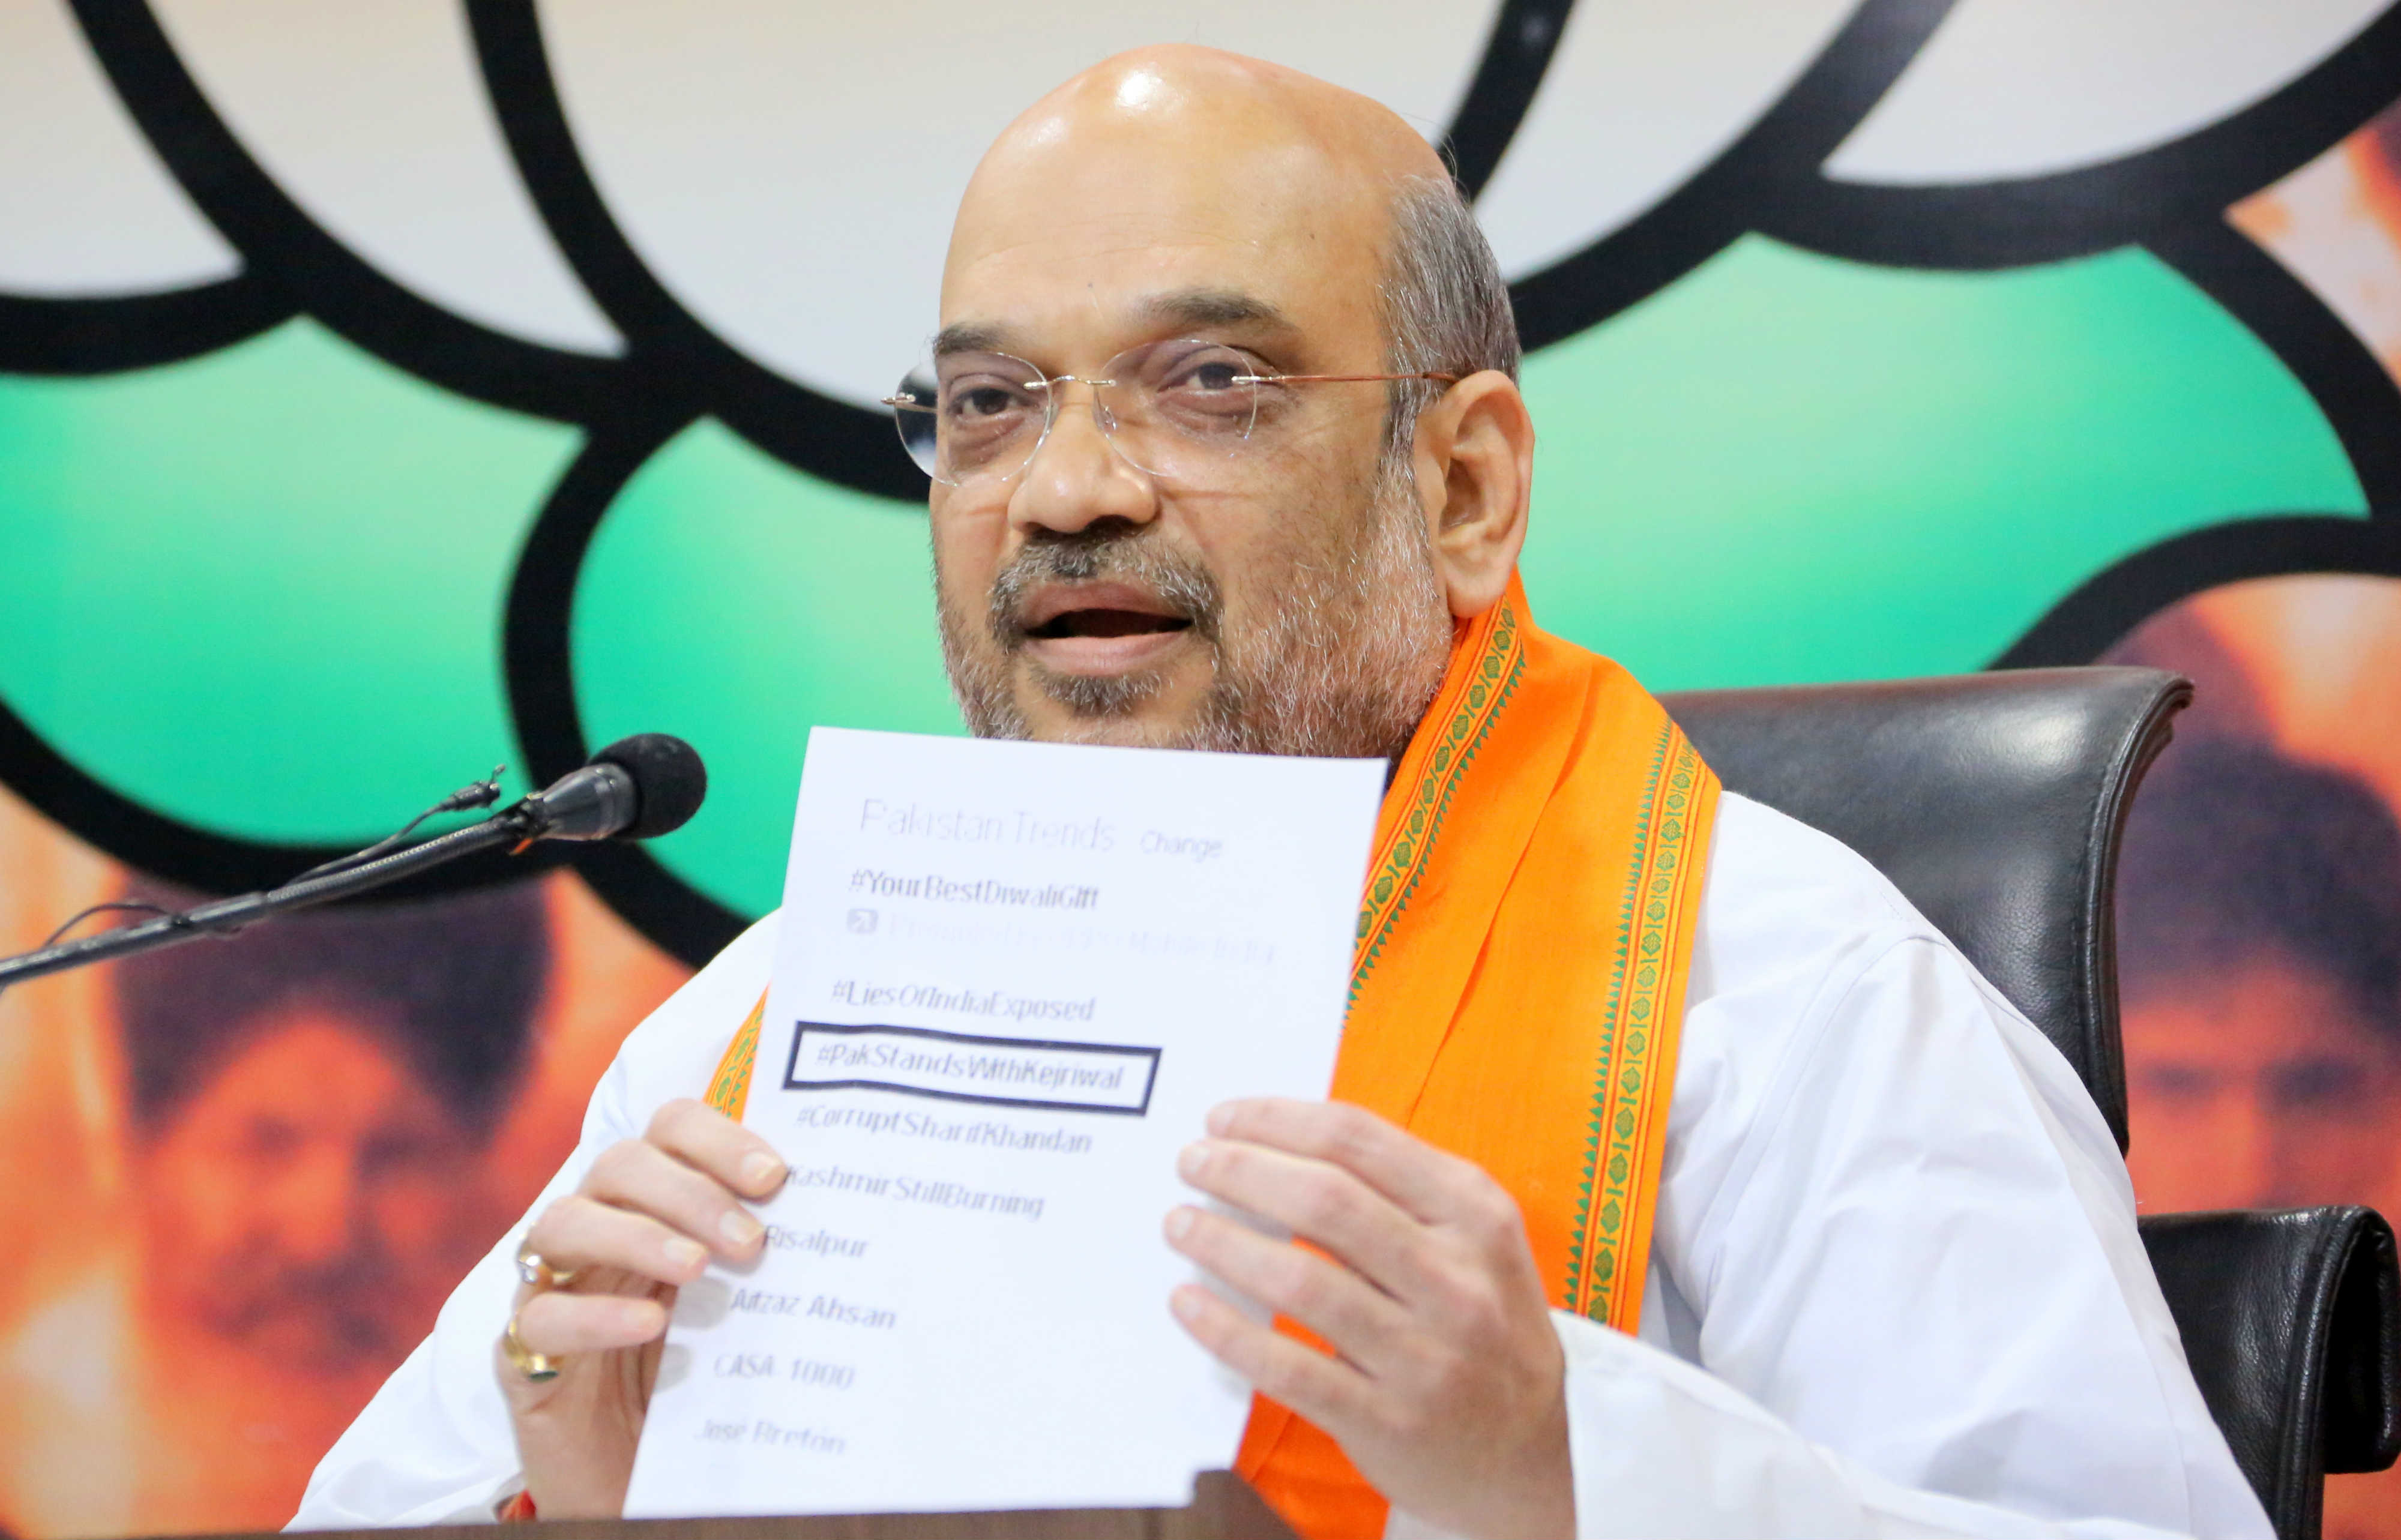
(1447, 1386)
(649, 1215)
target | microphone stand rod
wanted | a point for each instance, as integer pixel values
(226, 916)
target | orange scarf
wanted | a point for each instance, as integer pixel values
(1518, 983)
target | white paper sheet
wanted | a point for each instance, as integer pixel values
(1012, 979)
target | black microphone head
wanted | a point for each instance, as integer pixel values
(670, 781)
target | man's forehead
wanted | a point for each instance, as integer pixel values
(1174, 173)
(1214, 311)
(1127, 222)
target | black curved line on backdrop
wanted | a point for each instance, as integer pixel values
(536, 642)
(537, 645)
(825, 437)
(675, 916)
(1774, 161)
(290, 269)
(2105, 607)
(277, 239)
(195, 858)
(1516, 55)
(2358, 397)
(105, 334)
(2010, 224)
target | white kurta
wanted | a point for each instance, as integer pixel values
(1895, 1286)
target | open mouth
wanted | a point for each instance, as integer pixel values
(1099, 612)
(1106, 622)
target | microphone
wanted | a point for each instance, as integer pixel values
(637, 788)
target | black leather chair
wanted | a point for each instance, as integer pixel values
(2294, 1317)
(1995, 802)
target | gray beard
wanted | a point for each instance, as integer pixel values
(1342, 666)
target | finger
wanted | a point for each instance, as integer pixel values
(1316, 1200)
(1429, 1184)
(580, 1232)
(648, 1179)
(708, 1140)
(1325, 1391)
(1362, 1323)
(557, 1323)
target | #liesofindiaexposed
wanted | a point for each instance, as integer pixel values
(1010, 980)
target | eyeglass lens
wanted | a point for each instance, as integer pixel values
(1170, 408)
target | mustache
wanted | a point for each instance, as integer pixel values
(345, 1300)
(1129, 556)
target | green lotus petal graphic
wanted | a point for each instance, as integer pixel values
(261, 590)
(735, 603)
(1787, 468)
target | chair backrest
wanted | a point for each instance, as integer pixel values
(1994, 801)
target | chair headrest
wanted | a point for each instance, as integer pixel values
(1993, 803)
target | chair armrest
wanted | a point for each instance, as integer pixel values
(2291, 1320)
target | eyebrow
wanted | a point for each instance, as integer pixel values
(971, 336)
(1213, 307)
(1179, 310)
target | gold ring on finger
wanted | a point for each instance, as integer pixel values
(533, 1366)
(533, 1270)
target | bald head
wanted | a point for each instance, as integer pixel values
(1276, 133)
(1156, 86)
(1179, 157)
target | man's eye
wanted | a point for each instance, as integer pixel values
(2175, 1082)
(2320, 1084)
(1215, 387)
(985, 400)
(1201, 371)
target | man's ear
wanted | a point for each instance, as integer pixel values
(1475, 472)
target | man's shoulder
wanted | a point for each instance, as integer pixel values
(1779, 890)
(1798, 933)
(1817, 998)
(1793, 921)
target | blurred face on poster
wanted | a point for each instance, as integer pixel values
(308, 1189)
(2260, 901)
(2272, 1088)
(310, 1103)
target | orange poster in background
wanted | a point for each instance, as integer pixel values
(246, 1173)
(2260, 921)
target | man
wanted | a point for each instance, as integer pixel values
(2259, 944)
(1876, 1241)
(307, 1106)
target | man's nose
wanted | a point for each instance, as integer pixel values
(1075, 479)
(315, 1205)
(2247, 1138)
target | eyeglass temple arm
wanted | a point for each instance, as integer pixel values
(1238, 379)
(1338, 379)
